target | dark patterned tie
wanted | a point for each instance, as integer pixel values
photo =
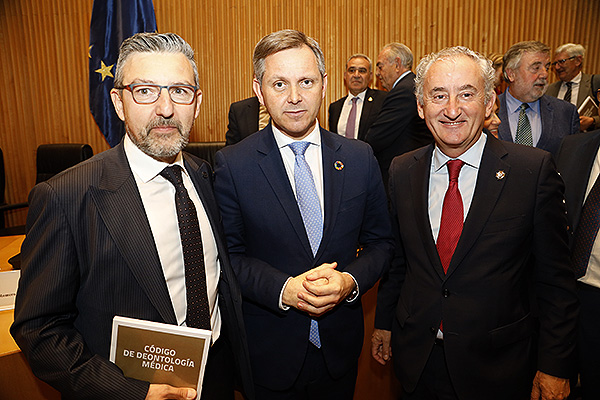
(198, 314)
(569, 91)
(351, 124)
(589, 223)
(523, 135)
(451, 223)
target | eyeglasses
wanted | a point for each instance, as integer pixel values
(146, 93)
(563, 61)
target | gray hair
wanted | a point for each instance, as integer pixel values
(360, 55)
(399, 50)
(512, 58)
(572, 50)
(152, 42)
(283, 40)
(452, 53)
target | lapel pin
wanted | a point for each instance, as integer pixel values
(370, 99)
(500, 175)
(338, 165)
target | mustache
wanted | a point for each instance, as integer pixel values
(164, 122)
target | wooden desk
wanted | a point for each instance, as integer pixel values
(16, 379)
(9, 246)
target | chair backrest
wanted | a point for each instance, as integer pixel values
(205, 150)
(54, 158)
(2, 179)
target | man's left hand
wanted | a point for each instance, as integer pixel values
(548, 387)
(326, 288)
(585, 122)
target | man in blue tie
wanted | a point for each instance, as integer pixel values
(297, 203)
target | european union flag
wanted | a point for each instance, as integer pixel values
(112, 22)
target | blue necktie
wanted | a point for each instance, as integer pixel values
(310, 209)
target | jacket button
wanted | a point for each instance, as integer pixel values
(446, 293)
(433, 330)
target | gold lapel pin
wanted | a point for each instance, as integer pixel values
(370, 99)
(338, 165)
(500, 175)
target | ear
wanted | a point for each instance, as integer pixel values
(198, 102)
(489, 107)
(509, 75)
(258, 91)
(324, 86)
(118, 103)
(420, 110)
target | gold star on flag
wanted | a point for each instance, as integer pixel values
(105, 70)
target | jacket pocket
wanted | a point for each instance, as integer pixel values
(512, 332)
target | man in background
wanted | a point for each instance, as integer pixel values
(574, 86)
(352, 115)
(245, 117)
(480, 230)
(297, 202)
(528, 116)
(107, 238)
(398, 127)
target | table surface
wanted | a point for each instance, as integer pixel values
(9, 246)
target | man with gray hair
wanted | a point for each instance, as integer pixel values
(398, 127)
(352, 115)
(135, 232)
(574, 86)
(528, 116)
(480, 231)
(298, 202)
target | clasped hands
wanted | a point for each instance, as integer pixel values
(318, 290)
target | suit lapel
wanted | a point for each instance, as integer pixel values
(584, 88)
(119, 204)
(504, 127)
(419, 189)
(271, 164)
(490, 182)
(547, 116)
(364, 116)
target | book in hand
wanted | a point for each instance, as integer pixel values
(160, 353)
(588, 108)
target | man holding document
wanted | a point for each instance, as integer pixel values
(133, 232)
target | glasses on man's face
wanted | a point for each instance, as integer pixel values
(147, 93)
(562, 62)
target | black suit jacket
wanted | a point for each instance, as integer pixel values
(371, 106)
(398, 127)
(587, 87)
(243, 119)
(268, 244)
(89, 255)
(574, 161)
(559, 119)
(513, 240)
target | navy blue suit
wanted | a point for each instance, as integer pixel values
(268, 244)
(559, 119)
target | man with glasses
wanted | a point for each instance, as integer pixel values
(528, 116)
(574, 86)
(113, 236)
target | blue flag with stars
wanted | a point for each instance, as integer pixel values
(112, 22)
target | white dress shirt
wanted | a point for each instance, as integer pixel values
(158, 198)
(343, 121)
(574, 89)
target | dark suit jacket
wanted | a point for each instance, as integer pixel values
(559, 119)
(268, 244)
(243, 119)
(373, 101)
(574, 162)
(398, 127)
(585, 90)
(513, 240)
(89, 255)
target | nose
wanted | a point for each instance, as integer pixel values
(164, 104)
(294, 94)
(452, 109)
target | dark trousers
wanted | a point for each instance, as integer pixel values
(434, 383)
(589, 341)
(314, 382)
(219, 374)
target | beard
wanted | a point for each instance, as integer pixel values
(161, 146)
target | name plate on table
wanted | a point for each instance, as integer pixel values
(9, 282)
(160, 353)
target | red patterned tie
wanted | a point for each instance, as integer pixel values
(451, 223)
(198, 315)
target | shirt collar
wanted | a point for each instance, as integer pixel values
(400, 78)
(361, 96)
(513, 105)
(470, 157)
(144, 166)
(282, 140)
(575, 80)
